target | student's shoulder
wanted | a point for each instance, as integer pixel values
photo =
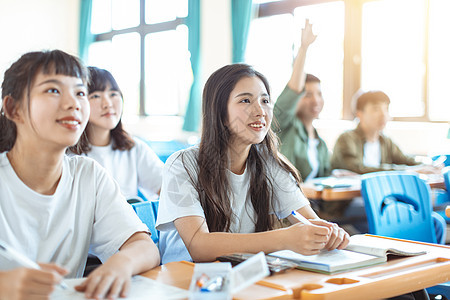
(190, 153)
(80, 164)
(183, 157)
(349, 135)
(3, 159)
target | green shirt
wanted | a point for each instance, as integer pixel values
(348, 153)
(293, 135)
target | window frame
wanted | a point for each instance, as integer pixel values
(352, 49)
(142, 29)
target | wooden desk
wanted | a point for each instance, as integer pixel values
(396, 277)
(318, 192)
(447, 211)
(179, 274)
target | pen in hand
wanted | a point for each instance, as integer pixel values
(301, 218)
(24, 261)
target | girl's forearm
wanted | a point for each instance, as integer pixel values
(208, 246)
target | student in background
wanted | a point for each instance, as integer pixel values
(131, 162)
(366, 149)
(54, 208)
(219, 197)
(297, 107)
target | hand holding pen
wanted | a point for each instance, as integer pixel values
(29, 281)
(321, 235)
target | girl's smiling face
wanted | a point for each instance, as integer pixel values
(57, 111)
(250, 111)
(106, 109)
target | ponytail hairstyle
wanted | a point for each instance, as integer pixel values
(212, 182)
(19, 78)
(121, 140)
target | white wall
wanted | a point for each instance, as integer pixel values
(216, 35)
(28, 25)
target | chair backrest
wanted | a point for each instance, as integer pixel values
(146, 212)
(164, 149)
(446, 174)
(398, 205)
(446, 162)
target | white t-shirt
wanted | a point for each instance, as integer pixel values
(136, 168)
(372, 154)
(180, 199)
(313, 158)
(86, 210)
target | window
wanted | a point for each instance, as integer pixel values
(398, 46)
(393, 53)
(273, 53)
(144, 44)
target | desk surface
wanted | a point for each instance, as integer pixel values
(314, 191)
(397, 276)
(447, 211)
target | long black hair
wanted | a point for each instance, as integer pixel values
(212, 182)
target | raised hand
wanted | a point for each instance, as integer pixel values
(308, 36)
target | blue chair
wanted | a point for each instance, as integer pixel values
(164, 149)
(398, 205)
(442, 197)
(146, 212)
(446, 162)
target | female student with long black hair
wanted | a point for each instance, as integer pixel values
(54, 208)
(130, 161)
(220, 197)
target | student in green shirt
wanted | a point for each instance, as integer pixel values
(297, 107)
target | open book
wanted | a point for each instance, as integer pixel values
(362, 251)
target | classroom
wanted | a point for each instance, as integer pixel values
(347, 134)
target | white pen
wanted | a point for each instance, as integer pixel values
(21, 259)
(301, 218)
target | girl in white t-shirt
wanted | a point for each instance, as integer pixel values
(54, 208)
(131, 162)
(219, 198)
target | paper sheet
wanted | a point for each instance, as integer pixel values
(141, 288)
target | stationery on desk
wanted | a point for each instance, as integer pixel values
(362, 251)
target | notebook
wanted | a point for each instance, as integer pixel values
(141, 288)
(362, 251)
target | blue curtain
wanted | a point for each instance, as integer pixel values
(86, 37)
(193, 110)
(241, 15)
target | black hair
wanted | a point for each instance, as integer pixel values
(100, 79)
(19, 77)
